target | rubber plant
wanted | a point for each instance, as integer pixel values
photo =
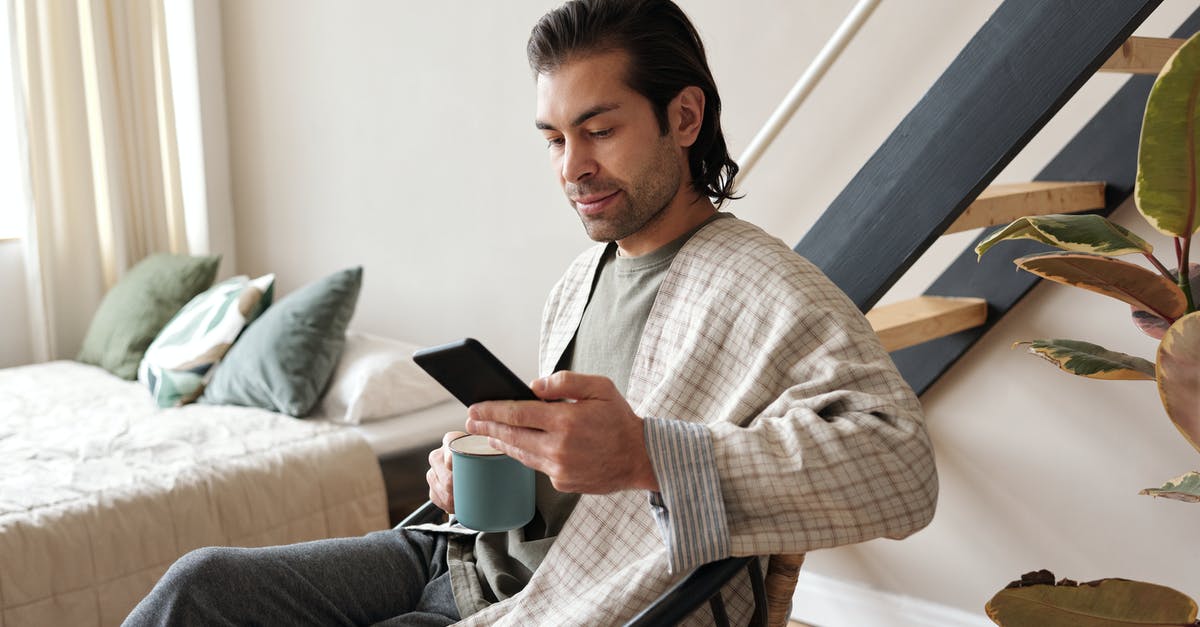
(1163, 303)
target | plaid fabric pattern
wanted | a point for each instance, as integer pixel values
(817, 440)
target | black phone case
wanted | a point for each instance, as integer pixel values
(472, 373)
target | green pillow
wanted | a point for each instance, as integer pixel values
(284, 359)
(139, 306)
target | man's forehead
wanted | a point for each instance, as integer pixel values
(582, 85)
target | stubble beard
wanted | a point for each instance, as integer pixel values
(642, 202)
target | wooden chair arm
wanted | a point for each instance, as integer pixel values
(782, 572)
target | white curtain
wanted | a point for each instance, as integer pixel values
(103, 163)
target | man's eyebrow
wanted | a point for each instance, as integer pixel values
(582, 117)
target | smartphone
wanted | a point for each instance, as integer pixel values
(472, 373)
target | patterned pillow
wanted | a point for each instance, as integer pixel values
(178, 360)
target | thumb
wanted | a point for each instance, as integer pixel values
(450, 436)
(566, 384)
(447, 457)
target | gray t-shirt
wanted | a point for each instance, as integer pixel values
(497, 565)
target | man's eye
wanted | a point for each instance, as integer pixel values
(602, 133)
(554, 142)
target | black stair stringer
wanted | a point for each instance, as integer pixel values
(1104, 150)
(1027, 60)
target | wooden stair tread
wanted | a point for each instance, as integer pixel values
(910, 322)
(1001, 204)
(1142, 55)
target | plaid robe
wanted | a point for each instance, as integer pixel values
(818, 440)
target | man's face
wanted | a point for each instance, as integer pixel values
(616, 167)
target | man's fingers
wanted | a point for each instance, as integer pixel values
(519, 437)
(566, 384)
(450, 437)
(531, 447)
(446, 459)
(525, 456)
(439, 493)
(524, 414)
(440, 475)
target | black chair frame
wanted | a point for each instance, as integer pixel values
(703, 584)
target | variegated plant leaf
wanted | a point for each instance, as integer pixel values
(1185, 487)
(1122, 280)
(1155, 326)
(1168, 163)
(1089, 360)
(1179, 375)
(1078, 233)
(1103, 603)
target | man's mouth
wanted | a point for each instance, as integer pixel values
(593, 204)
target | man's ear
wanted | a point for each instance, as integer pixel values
(686, 115)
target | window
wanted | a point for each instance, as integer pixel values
(12, 183)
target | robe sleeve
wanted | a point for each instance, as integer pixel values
(689, 509)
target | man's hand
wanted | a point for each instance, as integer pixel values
(591, 444)
(439, 476)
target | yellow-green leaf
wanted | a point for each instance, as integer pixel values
(1185, 487)
(1179, 375)
(1077, 233)
(1107, 603)
(1089, 360)
(1167, 174)
(1122, 280)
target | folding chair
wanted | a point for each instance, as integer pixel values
(772, 593)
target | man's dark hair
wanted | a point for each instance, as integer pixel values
(666, 55)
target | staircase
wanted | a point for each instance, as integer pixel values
(931, 176)
(924, 318)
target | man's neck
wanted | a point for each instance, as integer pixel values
(675, 220)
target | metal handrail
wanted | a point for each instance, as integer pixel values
(804, 86)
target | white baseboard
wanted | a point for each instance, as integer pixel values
(827, 602)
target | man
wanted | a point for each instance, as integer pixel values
(735, 402)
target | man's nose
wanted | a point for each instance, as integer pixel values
(578, 163)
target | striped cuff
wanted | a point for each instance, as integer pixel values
(689, 510)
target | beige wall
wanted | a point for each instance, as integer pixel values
(399, 136)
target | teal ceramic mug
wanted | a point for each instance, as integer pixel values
(492, 491)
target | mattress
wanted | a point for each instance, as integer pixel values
(100, 491)
(419, 430)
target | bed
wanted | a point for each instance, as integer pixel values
(100, 490)
(402, 445)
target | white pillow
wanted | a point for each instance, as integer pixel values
(377, 378)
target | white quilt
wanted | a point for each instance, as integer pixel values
(100, 491)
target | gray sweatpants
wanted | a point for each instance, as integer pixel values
(394, 577)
